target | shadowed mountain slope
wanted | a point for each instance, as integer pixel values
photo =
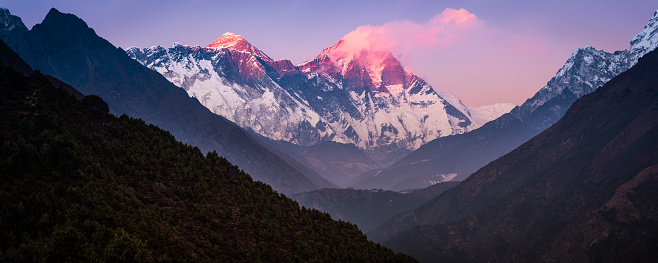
(65, 47)
(581, 191)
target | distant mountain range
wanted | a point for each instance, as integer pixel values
(366, 98)
(456, 157)
(65, 47)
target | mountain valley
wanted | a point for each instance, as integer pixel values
(221, 153)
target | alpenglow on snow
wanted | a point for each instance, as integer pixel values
(367, 99)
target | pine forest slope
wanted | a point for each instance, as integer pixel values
(81, 185)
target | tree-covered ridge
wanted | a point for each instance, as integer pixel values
(82, 185)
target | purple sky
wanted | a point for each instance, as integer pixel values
(516, 47)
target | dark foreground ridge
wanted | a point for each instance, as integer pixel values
(584, 190)
(80, 185)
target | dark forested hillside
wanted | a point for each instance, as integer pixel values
(80, 185)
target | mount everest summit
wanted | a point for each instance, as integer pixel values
(365, 98)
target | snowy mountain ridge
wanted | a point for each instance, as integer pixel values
(251, 99)
(237, 43)
(588, 68)
(486, 113)
(368, 99)
(645, 41)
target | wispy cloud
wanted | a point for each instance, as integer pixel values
(404, 37)
(457, 51)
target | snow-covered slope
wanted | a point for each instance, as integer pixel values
(391, 104)
(369, 99)
(483, 114)
(645, 41)
(585, 71)
(589, 68)
(232, 81)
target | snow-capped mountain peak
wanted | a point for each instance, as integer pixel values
(646, 40)
(9, 22)
(589, 68)
(235, 42)
(230, 40)
(483, 114)
(347, 95)
(375, 70)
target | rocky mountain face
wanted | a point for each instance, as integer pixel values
(367, 98)
(11, 27)
(581, 191)
(9, 58)
(65, 47)
(455, 157)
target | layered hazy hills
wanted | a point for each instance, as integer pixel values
(65, 47)
(368, 209)
(80, 185)
(455, 157)
(339, 162)
(366, 98)
(581, 191)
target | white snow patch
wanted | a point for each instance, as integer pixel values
(483, 114)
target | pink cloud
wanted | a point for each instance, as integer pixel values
(458, 52)
(404, 37)
(491, 64)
